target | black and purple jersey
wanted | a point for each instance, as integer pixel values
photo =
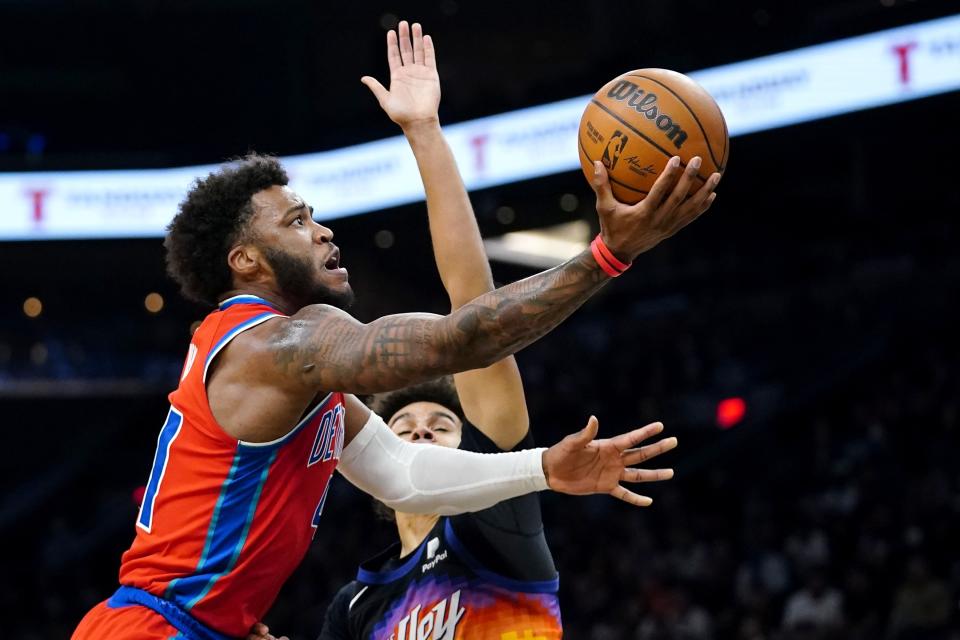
(484, 575)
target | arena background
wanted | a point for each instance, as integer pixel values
(821, 290)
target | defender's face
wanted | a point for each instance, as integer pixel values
(300, 251)
(427, 423)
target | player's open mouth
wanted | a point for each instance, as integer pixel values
(333, 263)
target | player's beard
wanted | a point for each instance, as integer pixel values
(295, 278)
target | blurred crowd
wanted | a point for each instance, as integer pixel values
(832, 511)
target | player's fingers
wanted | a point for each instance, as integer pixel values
(695, 206)
(664, 183)
(707, 203)
(588, 433)
(641, 455)
(631, 439)
(393, 51)
(606, 203)
(406, 50)
(645, 475)
(429, 53)
(704, 192)
(622, 493)
(682, 187)
(417, 43)
(376, 88)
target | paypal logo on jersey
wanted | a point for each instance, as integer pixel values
(329, 441)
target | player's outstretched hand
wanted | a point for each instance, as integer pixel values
(629, 230)
(260, 631)
(579, 464)
(414, 94)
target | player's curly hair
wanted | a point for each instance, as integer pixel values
(211, 218)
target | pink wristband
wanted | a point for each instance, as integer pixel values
(612, 266)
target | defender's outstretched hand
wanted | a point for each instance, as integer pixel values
(629, 230)
(581, 465)
(414, 94)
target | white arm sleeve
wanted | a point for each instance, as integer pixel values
(418, 478)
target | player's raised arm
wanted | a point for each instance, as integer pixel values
(324, 348)
(492, 398)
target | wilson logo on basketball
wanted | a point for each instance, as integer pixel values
(645, 103)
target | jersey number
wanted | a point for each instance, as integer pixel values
(323, 501)
(169, 433)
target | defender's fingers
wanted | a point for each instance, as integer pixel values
(641, 455)
(417, 43)
(406, 49)
(376, 88)
(393, 51)
(664, 183)
(429, 53)
(622, 493)
(645, 475)
(631, 439)
(586, 435)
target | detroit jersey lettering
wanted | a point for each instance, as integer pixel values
(224, 522)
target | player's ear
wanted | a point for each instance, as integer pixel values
(245, 259)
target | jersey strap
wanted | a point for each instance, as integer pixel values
(240, 328)
(177, 617)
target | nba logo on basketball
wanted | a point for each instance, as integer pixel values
(611, 153)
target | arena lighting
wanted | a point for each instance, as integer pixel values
(540, 248)
(32, 307)
(730, 412)
(881, 68)
(153, 302)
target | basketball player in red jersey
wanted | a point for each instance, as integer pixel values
(260, 419)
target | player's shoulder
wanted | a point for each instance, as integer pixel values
(336, 624)
(347, 592)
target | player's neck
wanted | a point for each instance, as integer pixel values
(268, 294)
(413, 528)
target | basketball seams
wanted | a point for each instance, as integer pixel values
(706, 138)
(647, 138)
(610, 177)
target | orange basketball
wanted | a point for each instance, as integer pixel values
(639, 120)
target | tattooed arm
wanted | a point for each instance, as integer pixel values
(324, 348)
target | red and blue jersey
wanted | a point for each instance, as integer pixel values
(225, 522)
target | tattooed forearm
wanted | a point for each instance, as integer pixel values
(328, 349)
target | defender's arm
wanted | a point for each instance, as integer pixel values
(492, 398)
